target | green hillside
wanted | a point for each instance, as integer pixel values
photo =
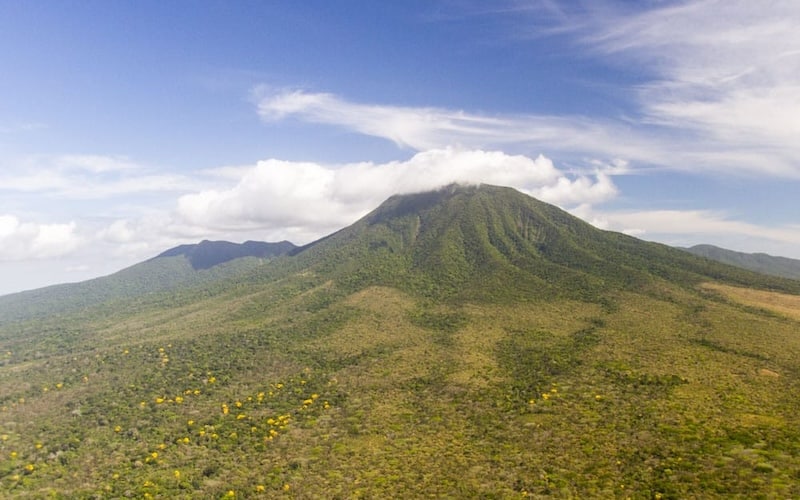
(466, 343)
(180, 267)
(207, 254)
(462, 243)
(758, 262)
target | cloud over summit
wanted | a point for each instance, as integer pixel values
(320, 198)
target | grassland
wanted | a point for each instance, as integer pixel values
(382, 394)
(375, 365)
(780, 303)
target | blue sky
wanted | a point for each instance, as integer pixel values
(130, 127)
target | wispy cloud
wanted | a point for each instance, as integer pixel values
(85, 177)
(416, 128)
(727, 71)
(22, 127)
(644, 143)
(94, 163)
(431, 128)
(720, 91)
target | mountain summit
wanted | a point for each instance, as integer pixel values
(207, 254)
(484, 241)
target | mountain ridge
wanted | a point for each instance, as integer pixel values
(207, 253)
(182, 266)
(759, 262)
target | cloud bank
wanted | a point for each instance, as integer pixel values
(29, 240)
(273, 199)
(315, 199)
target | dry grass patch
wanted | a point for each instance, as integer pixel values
(782, 303)
(382, 324)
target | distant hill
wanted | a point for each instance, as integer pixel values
(758, 262)
(468, 342)
(207, 254)
(180, 267)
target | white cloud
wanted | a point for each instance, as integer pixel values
(312, 199)
(136, 238)
(580, 191)
(690, 227)
(720, 91)
(417, 128)
(422, 128)
(652, 139)
(94, 163)
(30, 240)
(273, 192)
(726, 70)
(119, 232)
(83, 177)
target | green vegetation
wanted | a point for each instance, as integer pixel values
(131, 284)
(185, 266)
(470, 342)
(758, 262)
